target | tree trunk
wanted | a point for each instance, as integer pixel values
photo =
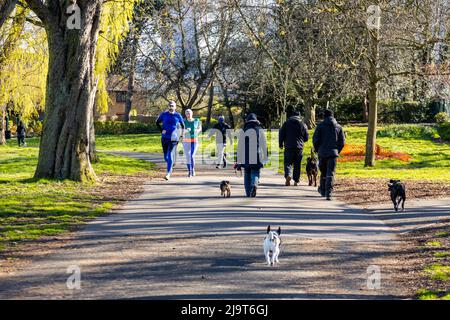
(230, 112)
(371, 140)
(3, 123)
(226, 98)
(310, 114)
(131, 75)
(64, 151)
(210, 104)
(93, 156)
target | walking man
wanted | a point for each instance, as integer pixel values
(328, 140)
(293, 135)
(222, 131)
(252, 153)
(171, 125)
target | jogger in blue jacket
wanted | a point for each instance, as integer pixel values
(171, 125)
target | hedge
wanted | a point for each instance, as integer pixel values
(118, 127)
(444, 131)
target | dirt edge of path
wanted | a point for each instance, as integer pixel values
(111, 188)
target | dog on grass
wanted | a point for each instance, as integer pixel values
(225, 189)
(272, 246)
(398, 194)
(312, 168)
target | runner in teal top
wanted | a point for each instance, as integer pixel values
(190, 140)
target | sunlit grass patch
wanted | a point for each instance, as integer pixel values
(438, 272)
(433, 295)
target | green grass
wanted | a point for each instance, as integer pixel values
(31, 209)
(150, 143)
(433, 295)
(442, 254)
(438, 272)
(442, 234)
(433, 244)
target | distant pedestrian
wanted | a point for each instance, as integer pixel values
(190, 140)
(252, 153)
(222, 130)
(292, 137)
(328, 140)
(21, 134)
(171, 125)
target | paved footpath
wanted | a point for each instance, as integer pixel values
(180, 240)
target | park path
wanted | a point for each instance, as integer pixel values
(180, 240)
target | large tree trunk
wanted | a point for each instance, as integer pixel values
(3, 123)
(64, 150)
(310, 113)
(371, 140)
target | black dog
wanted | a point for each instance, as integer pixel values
(312, 168)
(225, 189)
(398, 194)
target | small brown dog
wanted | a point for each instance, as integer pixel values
(225, 189)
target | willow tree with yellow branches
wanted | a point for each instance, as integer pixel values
(83, 38)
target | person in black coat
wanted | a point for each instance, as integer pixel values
(292, 137)
(252, 153)
(222, 130)
(21, 133)
(328, 140)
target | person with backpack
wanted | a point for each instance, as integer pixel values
(292, 137)
(328, 140)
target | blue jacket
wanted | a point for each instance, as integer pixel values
(170, 123)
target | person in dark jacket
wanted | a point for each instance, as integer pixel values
(222, 131)
(328, 140)
(252, 153)
(21, 133)
(292, 137)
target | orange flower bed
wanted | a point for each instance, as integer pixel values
(357, 152)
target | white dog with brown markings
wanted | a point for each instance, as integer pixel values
(272, 246)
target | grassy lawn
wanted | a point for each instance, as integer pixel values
(31, 209)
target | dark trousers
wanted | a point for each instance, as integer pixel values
(293, 159)
(21, 140)
(327, 167)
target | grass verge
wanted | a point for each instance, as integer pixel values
(33, 210)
